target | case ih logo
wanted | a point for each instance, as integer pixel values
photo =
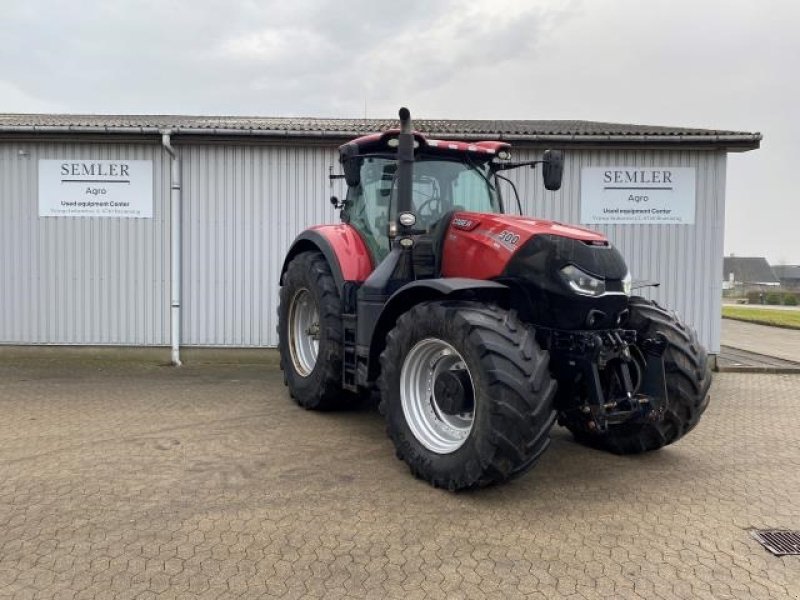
(465, 224)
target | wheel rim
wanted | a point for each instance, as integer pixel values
(303, 332)
(437, 431)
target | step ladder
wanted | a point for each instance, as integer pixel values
(350, 357)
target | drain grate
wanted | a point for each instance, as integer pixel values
(780, 542)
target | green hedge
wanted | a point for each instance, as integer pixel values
(775, 298)
(754, 297)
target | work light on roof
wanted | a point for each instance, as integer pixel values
(394, 143)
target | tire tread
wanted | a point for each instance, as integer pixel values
(327, 394)
(522, 390)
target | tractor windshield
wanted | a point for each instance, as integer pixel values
(440, 185)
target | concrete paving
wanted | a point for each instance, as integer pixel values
(131, 480)
(742, 361)
(762, 339)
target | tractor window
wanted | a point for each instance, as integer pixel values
(439, 186)
(472, 191)
(443, 185)
(368, 204)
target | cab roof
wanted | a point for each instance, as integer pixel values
(377, 142)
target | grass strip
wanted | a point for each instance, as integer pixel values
(789, 319)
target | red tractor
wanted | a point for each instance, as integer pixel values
(479, 329)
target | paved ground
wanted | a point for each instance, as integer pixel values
(733, 359)
(771, 341)
(122, 481)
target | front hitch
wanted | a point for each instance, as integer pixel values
(621, 381)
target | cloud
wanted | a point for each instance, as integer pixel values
(16, 100)
(272, 46)
(300, 57)
(462, 40)
(676, 62)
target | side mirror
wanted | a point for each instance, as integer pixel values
(553, 169)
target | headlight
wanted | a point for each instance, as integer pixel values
(407, 219)
(626, 284)
(583, 283)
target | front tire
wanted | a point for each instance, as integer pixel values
(688, 379)
(499, 428)
(310, 333)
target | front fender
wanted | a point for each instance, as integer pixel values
(341, 245)
(424, 290)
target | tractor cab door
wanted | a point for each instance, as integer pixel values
(367, 204)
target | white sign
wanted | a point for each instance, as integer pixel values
(96, 188)
(638, 195)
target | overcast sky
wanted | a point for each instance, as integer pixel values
(715, 64)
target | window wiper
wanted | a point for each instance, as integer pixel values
(474, 167)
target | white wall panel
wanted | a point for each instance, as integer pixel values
(68, 280)
(106, 281)
(243, 206)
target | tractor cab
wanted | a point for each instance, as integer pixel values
(447, 177)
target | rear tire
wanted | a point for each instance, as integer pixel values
(688, 379)
(511, 415)
(310, 334)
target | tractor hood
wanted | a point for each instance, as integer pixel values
(528, 226)
(572, 277)
(480, 245)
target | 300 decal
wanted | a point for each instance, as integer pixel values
(508, 237)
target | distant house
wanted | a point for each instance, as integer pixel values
(789, 276)
(741, 274)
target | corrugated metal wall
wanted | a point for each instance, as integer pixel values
(67, 280)
(106, 281)
(243, 207)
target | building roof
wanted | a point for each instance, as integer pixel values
(511, 130)
(748, 269)
(786, 271)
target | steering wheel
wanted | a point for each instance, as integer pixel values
(429, 205)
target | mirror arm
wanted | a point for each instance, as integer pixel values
(337, 204)
(515, 165)
(513, 187)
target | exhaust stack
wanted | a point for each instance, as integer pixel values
(405, 166)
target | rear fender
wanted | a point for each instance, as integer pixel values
(342, 247)
(425, 290)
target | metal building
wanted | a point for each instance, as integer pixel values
(72, 273)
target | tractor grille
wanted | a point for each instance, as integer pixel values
(779, 541)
